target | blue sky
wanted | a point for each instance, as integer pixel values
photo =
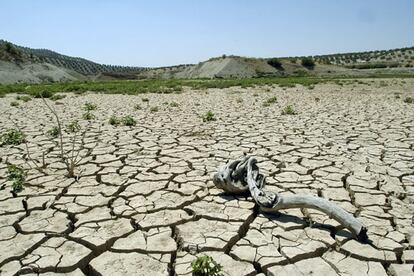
(167, 32)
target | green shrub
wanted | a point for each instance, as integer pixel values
(57, 97)
(137, 107)
(53, 132)
(275, 62)
(17, 175)
(174, 104)
(270, 101)
(113, 120)
(205, 266)
(24, 98)
(12, 137)
(42, 94)
(73, 126)
(145, 100)
(89, 106)
(129, 121)
(14, 104)
(154, 109)
(289, 85)
(409, 100)
(88, 116)
(209, 116)
(308, 62)
(288, 110)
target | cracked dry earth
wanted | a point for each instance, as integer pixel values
(145, 204)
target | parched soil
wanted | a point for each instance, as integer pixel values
(143, 201)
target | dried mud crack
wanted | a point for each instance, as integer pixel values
(143, 201)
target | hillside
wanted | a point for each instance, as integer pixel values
(399, 61)
(400, 57)
(240, 67)
(80, 65)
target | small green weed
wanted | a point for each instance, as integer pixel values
(17, 175)
(89, 106)
(270, 101)
(88, 116)
(209, 116)
(115, 121)
(12, 137)
(73, 127)
(53, 132)
(409, 100)
(24, 98)
(205, 266)
(57, 97)
(288, 110)
(129, 121)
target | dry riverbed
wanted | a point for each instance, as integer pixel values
(144, 201)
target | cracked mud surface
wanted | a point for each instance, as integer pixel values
(145, 202)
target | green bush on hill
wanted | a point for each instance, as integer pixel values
(275, 62)
(308, 62)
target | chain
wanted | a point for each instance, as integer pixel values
(242, 176)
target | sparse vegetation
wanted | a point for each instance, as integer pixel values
(14, 104)
(17, 175)
(208, 116)
(369, 65)
(57, 97)
(88, 116)
(409, 100)
(275, 62)
(9, 47)
(270, 101)
(205, 266)
(12, 137)
(42, 93)
(70, 157)
(154, 109)
(89, 106)
(174, 104)
(53, 132)
(115, 121)
(73, 127)
(129, 121)
(137, 107)
(154, 86)
(288, 110)
(24, 98)
(308, 62)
